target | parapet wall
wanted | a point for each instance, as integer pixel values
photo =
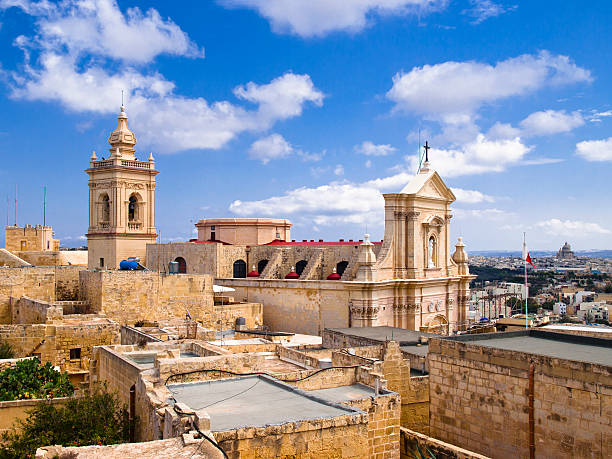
(130, 296)
(479, 401)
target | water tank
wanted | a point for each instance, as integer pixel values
(173, 267)
(128, 265)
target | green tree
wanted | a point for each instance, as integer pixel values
(31, 379)
(95, 419)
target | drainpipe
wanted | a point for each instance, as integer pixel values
(531, 412)
(132, 413)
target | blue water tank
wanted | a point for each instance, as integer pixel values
(128, 265)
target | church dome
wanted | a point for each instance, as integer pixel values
(122, 138)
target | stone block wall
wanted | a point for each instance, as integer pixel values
(29, 311)
(52, 343)
(479, 401)
(296, 306)
(130, 296)
(412, 442)
(226, 315)
(343, 436)
(383, 425)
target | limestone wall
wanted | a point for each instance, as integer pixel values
(130, 296)
(383, 425)
(413, 442)
(52, 343)
(29, 311)
(296, 306)
(226, 315)
(13, 410)
(479, 401)
(11, 260)
(117, 371)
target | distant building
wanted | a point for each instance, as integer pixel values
(565, 252)
(560, 308)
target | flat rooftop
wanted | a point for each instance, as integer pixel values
(345, 393)
(400, 335)
(558, 345)
(254, 401)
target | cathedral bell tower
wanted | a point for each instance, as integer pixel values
(121, 202)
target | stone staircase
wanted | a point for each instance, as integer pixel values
(313, 270)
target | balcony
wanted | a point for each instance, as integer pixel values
(134, 226)
(132, 164)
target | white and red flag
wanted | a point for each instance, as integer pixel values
(526, 256)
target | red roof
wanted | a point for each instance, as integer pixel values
(312, 242)
(208, 242)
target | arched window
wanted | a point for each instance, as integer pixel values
(261, 265)
(133, 208)
(432, 249)
(300, 266)
(105, 217)
(341, 267)
(240, 268)
(182, 265)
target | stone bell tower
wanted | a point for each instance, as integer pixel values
(121, 202)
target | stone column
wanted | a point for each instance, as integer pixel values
(410, 244)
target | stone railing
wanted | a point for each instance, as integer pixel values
(134, 225)
(102, 164)
(136, 164)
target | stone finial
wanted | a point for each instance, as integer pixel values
(151, 159)
(122, 137)
(365, 260)
(93, 156)
(460, 257)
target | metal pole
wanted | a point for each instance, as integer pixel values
(526, 288)
(45, 207)
(15, 204)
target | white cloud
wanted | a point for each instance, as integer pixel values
(477, 157)
(596, 117)
(595, 150)
(99, 27)
(484, 9)
(368, 164)
(75, 40)
(272, 147)
(485, 214)
(471, 196)
(551, 122)
(339, 202)
(310, 18)
(575, 228)
(370, 149)
(165, 119)
(339, 170)
(453, 91)
(275, 146)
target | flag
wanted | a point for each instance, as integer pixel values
(526, 256)
(528, 260)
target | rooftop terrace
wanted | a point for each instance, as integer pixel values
(255, 401)
(557, 345)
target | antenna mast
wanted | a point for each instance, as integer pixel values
(15, 204)
(45, 206)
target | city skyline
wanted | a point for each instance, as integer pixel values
(310, 111)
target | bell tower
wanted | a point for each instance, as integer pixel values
(121, 202)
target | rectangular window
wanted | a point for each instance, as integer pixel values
(75, 354)
(101, 262)
(213, 236)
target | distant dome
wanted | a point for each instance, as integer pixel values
(565, 252)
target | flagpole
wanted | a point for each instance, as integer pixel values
(526, 288)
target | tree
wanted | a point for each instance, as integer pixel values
(31, 379)
(6, 351)
(95, 419)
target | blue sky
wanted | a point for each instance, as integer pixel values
(309, 110)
